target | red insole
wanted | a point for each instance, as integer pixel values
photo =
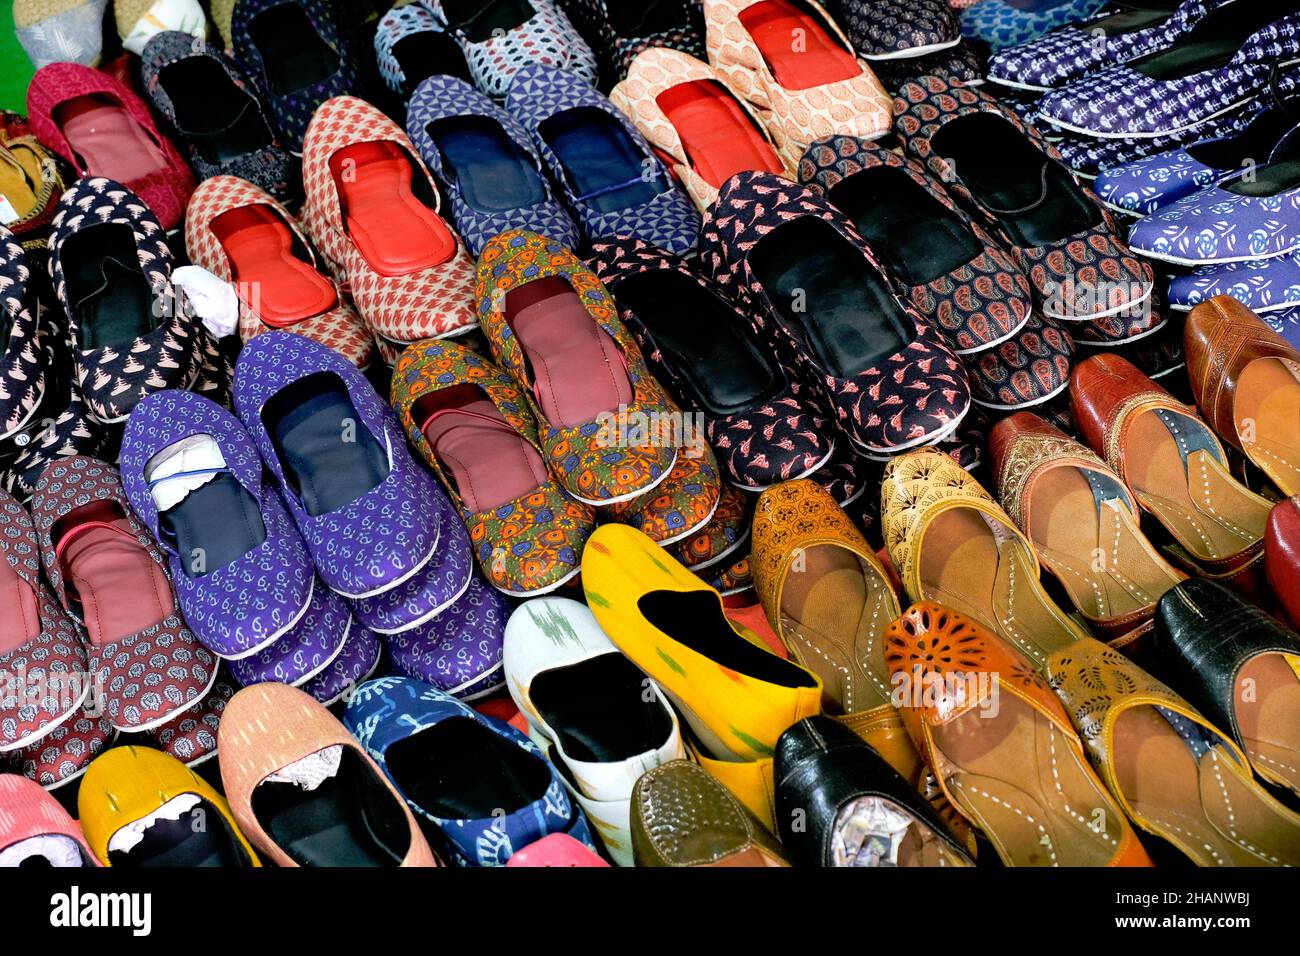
(20, 619)
(578, 371)
(121, 589)
(394, 232)
(718, 135)
(490, 462)
(107, 139)
(271, 280)
(815, 61)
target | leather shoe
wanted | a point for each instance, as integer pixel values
(1282, 556)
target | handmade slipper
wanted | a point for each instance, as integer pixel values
(62, 755)
(354, 665)
(307, 649)
(459, 651)
(36, 825)
(192, 737)
(22, 356)
(411, 45)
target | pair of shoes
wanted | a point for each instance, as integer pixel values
(619, 32)
(560, 161)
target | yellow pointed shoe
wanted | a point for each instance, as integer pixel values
(736, 696)
(140, 807)
(952, 543)
(1174, 773)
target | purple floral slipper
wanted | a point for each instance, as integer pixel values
(355, 664)
(310, 646)
(459, 651)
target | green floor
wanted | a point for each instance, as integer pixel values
(17, 69)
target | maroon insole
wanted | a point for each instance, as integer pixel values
(20, 619)
(121, 589)
(490, 463)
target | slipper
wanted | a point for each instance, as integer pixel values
(139, 21)
(60, 32)
(1026, 370)
(482, 785)
(109, 574)
(723, 540)
(609, 175)
(36, 826)
(459, 651)
(619, 32)
(192, 737)
(309, 647)
(411, 45)
(888, 30)
(63, 754)
(22, 356)
(1008, 23)
(681, 506)
(192, 474)
(354, 665)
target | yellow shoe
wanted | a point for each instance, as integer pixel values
(736, 696)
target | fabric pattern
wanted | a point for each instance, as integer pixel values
(1262, 285)
(962, 63)
(881, 28)
(1030, 367)
(74, 34)
(63, 754)
(395, 25)
(459, 651)
(359, 658)
(310, 645)
(1002, 24)
(679, 506)
(727, 531)
(1217, 225)
(616, 51)
(192, 737)
(22, 356)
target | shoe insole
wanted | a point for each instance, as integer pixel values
(1213, 41)
(16, 185)
(828, 296)
(490, 463)
(1267, 411)
(458, 769)
(327, 453)
(598, 709)
(973, 566)
(110, 297)
(1191, 492)
(717, 135)
(107, 140)
(1268, 715)
(481, 21)
(20, 618)
(1094, 546)
(221, 119)
(294, 55)
(577, 369)
(214, 524)
(200, 838)
(833, 612)
(428, 53)
(1260, 137)
(351, 819)
(1019, 780)
(601, 163)
(396, 231)
(1034, 197)
(491, 171)
(271, 268)
(919, 237)
(1269, 180)
(1209, 807)
(646, 18)
(120, 588)
(709, 345)
(817, 60)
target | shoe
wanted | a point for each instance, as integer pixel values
(372, 519)
(703, 127)
(356, 663)
(1014, 181)
(411, 45)
(32, 180)
(619, 32)
(1215, 68)
(963, 63)
(724, 539)
(472, 427)
(503, 36)
(835, 314)
(1002, 745)
(23, 357)
(192, 737)
(681, 506)
(1175, 466)
(1164, 762)
(408, 274)
(63, 754)
(735, 695)
(37, 830)
(1026, 370)
(1073, 508)
(66, 31)
(586, 706)
(1246, 378)
(951, 543)
(1261, 285)
(214, 109)
(146, 662)
(1005, 23)
(759, 419)
(307, 649)
(244, 236)
(962, 280)
(484, 787)
(486, 163)
(897, 29)
(191, 472)
(812, 90)
(608, 174)
(141, 808)
(133, 332)
(71, 432)
(1237, 665)
(1282, 555)
(682, 816)
(1069, 53)
(854, 807)
(554, 329)
(104, 131)
(557, 850)
(298, 56)
(320, 800)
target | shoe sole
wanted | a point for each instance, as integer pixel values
(912, 53)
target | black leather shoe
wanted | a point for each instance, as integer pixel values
(1237, 665)
(838, 803)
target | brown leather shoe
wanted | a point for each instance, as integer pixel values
(1282, 556)
(1246, 378)
(682, 816)
(1084, 524)
(1176, 469)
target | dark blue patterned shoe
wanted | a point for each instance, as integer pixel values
(23, 354)
(999, 23)
(897, 29)
(1262, 285)
(618, 31)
